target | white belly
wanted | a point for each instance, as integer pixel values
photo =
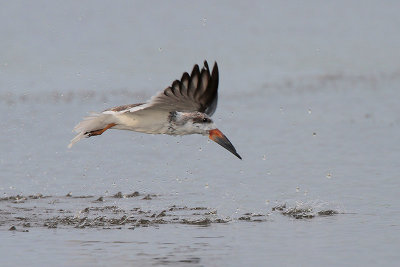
(144, 122)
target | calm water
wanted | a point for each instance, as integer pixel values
(308, 96)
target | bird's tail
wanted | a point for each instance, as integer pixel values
(95, 124)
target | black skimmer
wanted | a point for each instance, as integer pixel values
(183, 108)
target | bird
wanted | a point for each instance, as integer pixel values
(183, 108)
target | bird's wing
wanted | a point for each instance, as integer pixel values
(124, 107)
(195, 92)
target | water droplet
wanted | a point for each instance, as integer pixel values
(200, 149)
(267, 202)
(204, 21)
(309, 111)
(329, 175)
(297, 189)
(160, 49)
(314, 133)
(206, 186)
(264, 157)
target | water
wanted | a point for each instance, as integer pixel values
(308, 96)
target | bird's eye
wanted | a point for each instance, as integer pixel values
(206, 120)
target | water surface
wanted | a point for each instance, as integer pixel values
(308, 96)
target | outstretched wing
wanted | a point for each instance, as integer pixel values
(195, 92)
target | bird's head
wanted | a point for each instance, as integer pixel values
(201, 123)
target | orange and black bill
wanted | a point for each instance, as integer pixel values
(218, 137)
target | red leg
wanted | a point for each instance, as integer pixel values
(99, 132)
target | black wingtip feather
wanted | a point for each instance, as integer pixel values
(194, 81)
(196, 70)
(185, 80)
(175, 88)
(215, 72)
(211, 98)
(202, 85)
(206, 65)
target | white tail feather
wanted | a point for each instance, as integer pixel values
(95, 121)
